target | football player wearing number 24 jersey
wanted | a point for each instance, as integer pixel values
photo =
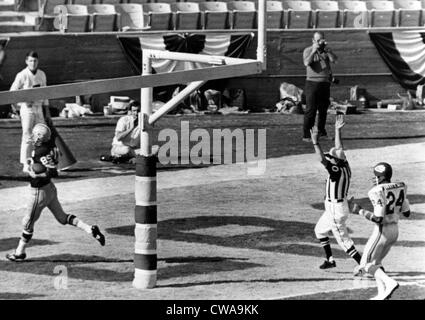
(389, 201)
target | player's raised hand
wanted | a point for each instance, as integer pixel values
(353, 207)
(314, 133)
(339, 121)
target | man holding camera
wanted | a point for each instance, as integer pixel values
(317, 59)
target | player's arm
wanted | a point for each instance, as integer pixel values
(308, 54)
(405, 207)
(339, 123)
(376, 216)
(317, 148)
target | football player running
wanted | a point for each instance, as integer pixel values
(388, 200)
(42, 167)
(336, 207)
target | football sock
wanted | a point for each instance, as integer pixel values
(23, 242)
(353, 253)
(324, 242)
(381, 275)
(83, 226)
(74, 221)
(21, 247)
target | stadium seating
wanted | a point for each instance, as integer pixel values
(326, 14)
(275, 15)
(138, 1)
(160, 16)
(299, 14)
(83, 2)
(104, 17)
(78, 18)
(216, 15)
(114, 2)
(382, 13)
(244, 14)
(409, 13)
(354, 14)
(131, 16)
(187, 15)
(47, 14)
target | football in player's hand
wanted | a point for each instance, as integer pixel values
(38, 168)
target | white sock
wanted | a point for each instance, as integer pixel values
(83, 226)
(380, 285)
(381, 275)
(21, 247)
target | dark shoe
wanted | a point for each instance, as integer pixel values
(16, 257)
(307, 139)
(98, 235)
(123, 159)
(106, 158)
(327, 265)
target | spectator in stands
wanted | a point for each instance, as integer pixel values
(127, 137)
(317, 60)
(32, 112)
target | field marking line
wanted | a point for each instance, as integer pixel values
(89, 189)
(366, 286)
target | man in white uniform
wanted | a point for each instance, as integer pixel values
(31, 112)
(389, 201)
(127, 136)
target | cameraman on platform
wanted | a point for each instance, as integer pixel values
(317, 59)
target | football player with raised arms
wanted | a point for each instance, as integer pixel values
(336, 206)
(389, 201)
(42, 167)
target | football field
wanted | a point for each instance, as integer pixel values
(222, 233)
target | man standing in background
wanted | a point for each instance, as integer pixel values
(31, 112)
(317, 59)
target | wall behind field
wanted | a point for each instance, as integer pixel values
(70, 58)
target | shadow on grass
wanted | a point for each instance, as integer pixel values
(18, 296)
(7, 244)
(291, 237)
(365, 203)
(280, 280)
(198, 265)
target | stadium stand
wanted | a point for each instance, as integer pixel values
(326, 14)
(187, 15)
(137, 1)
(409, 13)
(382, 13)
(83, 2)
(131, 16)
(78, 18)
(104, 17)
(216, 15)
(47, 15)
(275, 15)
(244, 14)
(354, 14)
(160, 16)
(298, 14)
(114, 2)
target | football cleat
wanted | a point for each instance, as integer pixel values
(98, 235)
(328, 264)
(16, 257)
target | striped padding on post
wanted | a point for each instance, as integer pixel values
(145, 231)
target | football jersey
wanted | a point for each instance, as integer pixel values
(45, 155)
(338, 181)
(389, 200)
